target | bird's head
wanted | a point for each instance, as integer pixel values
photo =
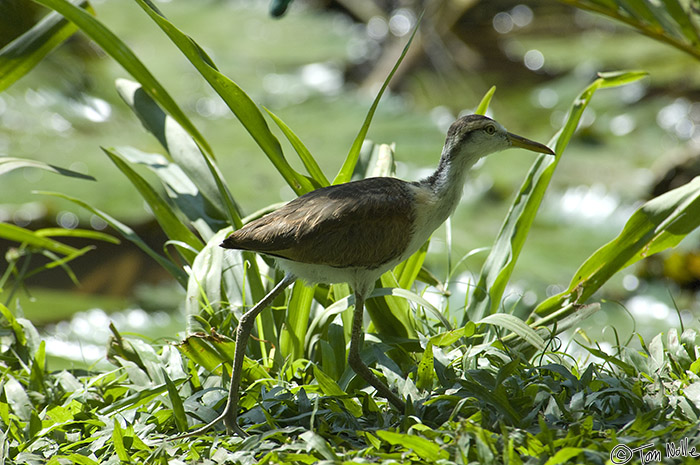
(475, 136)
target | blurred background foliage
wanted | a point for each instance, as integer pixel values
(634, 142)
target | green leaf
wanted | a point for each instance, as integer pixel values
(82, 233)
(117, 49)
(331, 388)
(8, 164)
(657, 225)
(237, 100)
(427, 450)
(212, 350)
(176, 401)
(166, 217)
(485, 101)
(416, 299)
(348, 167)
(390, 315)
(184, 151)
(407, 271)
(14, 233)
(317, 443)
(506, 249)
(17, 328)
(426, 369)
(17, 398)
(118, 441)
(683, 19)
(306, 158)
(516, 325)
(450, 337)
(22, 54)
(564, 455)
(82, 460)
(297, 321)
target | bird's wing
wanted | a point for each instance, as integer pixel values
(364, 223)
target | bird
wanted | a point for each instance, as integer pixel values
(356, 231)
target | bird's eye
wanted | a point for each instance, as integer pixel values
(490, 130)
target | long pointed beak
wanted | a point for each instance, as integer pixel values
(518, 141)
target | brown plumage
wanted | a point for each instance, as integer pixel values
(359, 224)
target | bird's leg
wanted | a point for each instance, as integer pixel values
(355, 361)
(245, 326)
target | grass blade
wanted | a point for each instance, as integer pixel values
(25, 236)
(485, 101)
(178, 408)
(306, 158)
(8, 164)
(297, 321)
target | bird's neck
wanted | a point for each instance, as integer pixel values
(447, 182)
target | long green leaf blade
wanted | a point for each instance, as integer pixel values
(297, 321)
(15, 233)
(181, 148)
(8, 164)
(306, 158)
(176, 401)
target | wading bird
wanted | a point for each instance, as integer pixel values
(354, 232)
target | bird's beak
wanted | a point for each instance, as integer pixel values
(518, 141)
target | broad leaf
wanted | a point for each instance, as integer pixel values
(163, 213)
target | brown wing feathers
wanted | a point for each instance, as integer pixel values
(364, 223)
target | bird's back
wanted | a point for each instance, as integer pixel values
(362, 224)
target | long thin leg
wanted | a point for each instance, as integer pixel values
(245, 326)
(355, 361)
